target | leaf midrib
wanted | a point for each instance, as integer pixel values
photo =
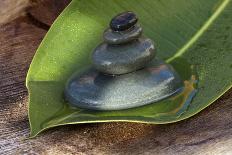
(201, 31)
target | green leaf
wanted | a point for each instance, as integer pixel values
(188, 34)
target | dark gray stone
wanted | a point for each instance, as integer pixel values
(123, 21)
(94, 90)
(120, 37)
(125, 58)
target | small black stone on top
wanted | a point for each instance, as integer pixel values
(123, 21)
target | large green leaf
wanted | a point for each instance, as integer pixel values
(188, 33)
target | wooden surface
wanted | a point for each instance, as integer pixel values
(15, 7)
(210, 132)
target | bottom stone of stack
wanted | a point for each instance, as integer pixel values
(94, 90)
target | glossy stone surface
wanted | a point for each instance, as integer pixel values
(125, 58)
(120, 37)
(123, 21)
(94, 90)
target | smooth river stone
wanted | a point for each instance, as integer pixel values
(120, 37)
(123, 21)
(97, 91)
(125, 58)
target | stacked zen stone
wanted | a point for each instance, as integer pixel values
(125, 53)
(124, 49)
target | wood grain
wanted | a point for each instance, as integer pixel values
(209, 132)
(11, 9)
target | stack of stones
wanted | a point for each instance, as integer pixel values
(125, 49)
(125, 53)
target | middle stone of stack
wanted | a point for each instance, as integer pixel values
(123, 51)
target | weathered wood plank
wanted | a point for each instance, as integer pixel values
(210, 132)
(54, 9)
(11, 9)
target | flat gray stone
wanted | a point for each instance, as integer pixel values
(124, 58)
(120, 37)
(94, 90)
